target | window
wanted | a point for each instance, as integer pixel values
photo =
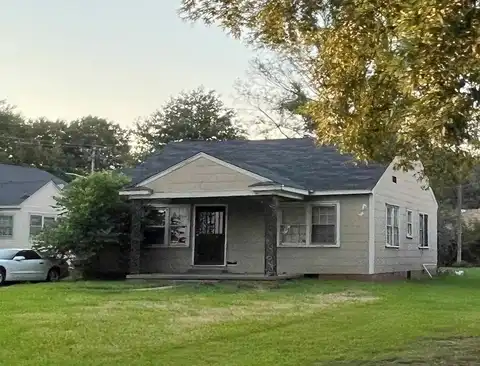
(423, 230)
(28, 254)
(393, 231)
(178, 225)
(409, 224)
(167, 226)
(39, 222)
(6, 226)
(308, 225)
(324, 225)
(293, 225)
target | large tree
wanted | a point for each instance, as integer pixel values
(60, 147)
(276, 89)
(11, 124)
(391, 77)
(94, 137)
(195, 115)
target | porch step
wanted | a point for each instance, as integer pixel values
(207, 270)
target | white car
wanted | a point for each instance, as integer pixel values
(28, 265)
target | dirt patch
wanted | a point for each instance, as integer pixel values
(263, 308)
(462, 351)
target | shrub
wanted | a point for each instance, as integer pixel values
(93, 227)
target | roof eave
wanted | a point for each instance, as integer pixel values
(281, 187)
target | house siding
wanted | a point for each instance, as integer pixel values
(246, 240)
(15, 239)
(352, 255)
(407, 193)
(202, 175)
(40, 203)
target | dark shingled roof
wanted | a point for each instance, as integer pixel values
(297, 163)
(17, 183)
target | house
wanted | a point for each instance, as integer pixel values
(278, 207)
(26, 200)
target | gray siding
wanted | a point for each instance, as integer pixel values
(407, 193)
(245, 242)
(202, 175)
(352, 255)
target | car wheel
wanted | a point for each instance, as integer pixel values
(3, 276)
(53, 275)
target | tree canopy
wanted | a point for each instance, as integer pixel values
(390, 77)
(195, 115)
(276, 91)
(93, 215)
(61, 147)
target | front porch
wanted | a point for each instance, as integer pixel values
(232, 238)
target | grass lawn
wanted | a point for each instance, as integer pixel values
(310, 322)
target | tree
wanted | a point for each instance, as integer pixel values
(94, 218)
(277, 88)
(11, 124)
(391, 77)
(107, 142)
(60, 147)
(195, 115)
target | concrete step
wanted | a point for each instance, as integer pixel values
(207, 270)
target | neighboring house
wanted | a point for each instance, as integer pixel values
(26, 200)
(278, 206)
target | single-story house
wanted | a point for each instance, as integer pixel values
(277, 207)
(26, 203)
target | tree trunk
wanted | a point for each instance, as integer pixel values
(459, 223)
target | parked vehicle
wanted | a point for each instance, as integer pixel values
(28, 265)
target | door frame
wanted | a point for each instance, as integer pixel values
(194, 221)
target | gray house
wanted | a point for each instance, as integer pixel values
(278, 207)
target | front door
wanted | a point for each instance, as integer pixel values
(210, 223)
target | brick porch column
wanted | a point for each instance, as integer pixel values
(136, 236)
(271, 207)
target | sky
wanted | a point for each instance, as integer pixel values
(117, 59)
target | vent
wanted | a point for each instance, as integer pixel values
(394, 179)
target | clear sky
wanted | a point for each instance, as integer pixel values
(117, 59)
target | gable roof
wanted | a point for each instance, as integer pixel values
(296, 163)
(17, 183)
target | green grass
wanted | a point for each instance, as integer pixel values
(311, 322)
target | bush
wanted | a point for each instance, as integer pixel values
(93, 227)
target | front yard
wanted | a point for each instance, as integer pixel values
(434, 322)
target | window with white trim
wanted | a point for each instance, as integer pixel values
(409, 224)
(167, 226)
(6, 226)
(39, 222)
(423, 230)
(293, 225)
(393, 230)
(315, 224)
(324, 225)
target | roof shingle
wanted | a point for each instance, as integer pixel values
(17, 183)
(297, 163)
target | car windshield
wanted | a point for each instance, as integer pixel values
(7, 253)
